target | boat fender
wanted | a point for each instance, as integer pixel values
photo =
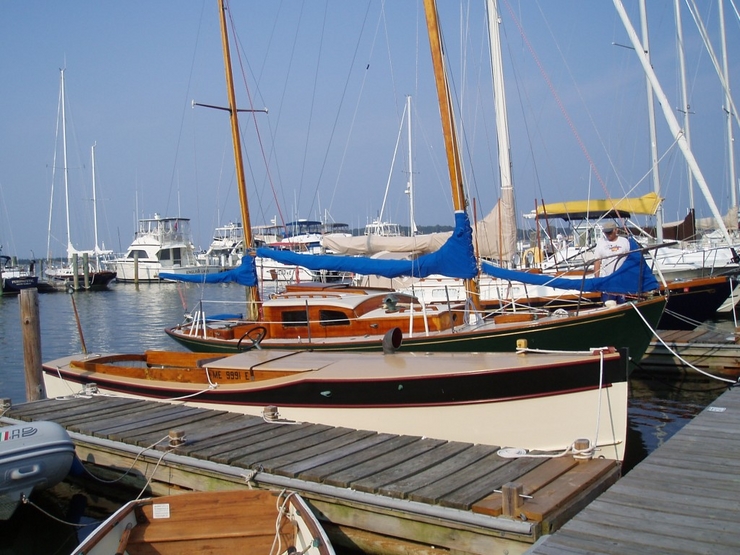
(392, 341)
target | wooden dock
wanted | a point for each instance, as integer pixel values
(711, 350)
(376, 492)
(682, 499)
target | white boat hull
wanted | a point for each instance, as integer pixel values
(548, 422)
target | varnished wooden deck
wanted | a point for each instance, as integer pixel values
(682, 499)
(364, 484)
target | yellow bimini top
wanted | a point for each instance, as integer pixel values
(602, 208)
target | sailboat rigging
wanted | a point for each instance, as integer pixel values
(339, 317)
(252, 290)
(71, 275)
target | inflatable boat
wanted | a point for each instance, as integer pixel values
(33, 455)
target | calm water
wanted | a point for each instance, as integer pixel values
(130, 319)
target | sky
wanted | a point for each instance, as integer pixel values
(334, 77)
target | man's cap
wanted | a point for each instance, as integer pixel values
(608, 227)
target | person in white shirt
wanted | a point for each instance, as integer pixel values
(610, 253)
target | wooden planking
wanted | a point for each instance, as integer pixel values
(706, 348)
(532, 481)
(430, 471)
(319, 465)
(682, 499)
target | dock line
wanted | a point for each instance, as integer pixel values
(675, 354)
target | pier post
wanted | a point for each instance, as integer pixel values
(136, 267)
(86, 269)
(512, 499)
(32, 344)
(75, 270)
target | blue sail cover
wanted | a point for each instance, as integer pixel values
(454, 259)
(244, 274)
(631, 278)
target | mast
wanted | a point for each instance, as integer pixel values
(70, 248)
(410, 186)
(95, 210)
(252, 292)
(454, 164)
(684, 92)
(651, 121)
(673, 123)
(728, 109)
(508, 212)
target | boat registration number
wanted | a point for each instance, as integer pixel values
(229, 375)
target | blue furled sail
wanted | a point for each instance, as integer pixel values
(244, 274)
(455, 258)
(633, 277)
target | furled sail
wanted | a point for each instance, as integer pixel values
(494, 237)
(367, 245)
(633, 277)
(454, 259)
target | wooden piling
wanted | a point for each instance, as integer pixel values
(75, 272)
(31, 327)
(86, 270)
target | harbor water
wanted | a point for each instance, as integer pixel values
(130, 318)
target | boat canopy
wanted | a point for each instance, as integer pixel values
(244, 274)
(646, 205)
(454, 259)
(633, 277)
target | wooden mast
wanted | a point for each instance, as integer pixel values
(252, 292)
(454, 165)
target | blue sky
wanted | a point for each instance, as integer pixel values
(334, 76)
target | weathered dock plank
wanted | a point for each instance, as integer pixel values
(682, 499)
(413, 490)
(705, 348)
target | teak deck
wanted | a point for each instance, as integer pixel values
(367, 486)
(682, 499)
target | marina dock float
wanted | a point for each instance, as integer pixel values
(376, 492)
(682, 499)
(709, 349)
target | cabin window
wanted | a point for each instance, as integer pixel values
(164, 254)
(177, 257)
(333, 318)
(294, 318)
(142, 254)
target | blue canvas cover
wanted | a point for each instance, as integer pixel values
(631, 278)
(244, 274)
(454, 259)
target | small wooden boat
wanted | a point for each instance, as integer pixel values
(32, 456)
(530, 400)
(230, 522)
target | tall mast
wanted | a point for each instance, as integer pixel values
(651, 122)
(410, 187)
(252, 292)
(672, 122)
(684, 92)
(454, 164)
(70, 249)
(508, 219)
(728, 109)
(95, 209)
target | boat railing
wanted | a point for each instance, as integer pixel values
(199, 321)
